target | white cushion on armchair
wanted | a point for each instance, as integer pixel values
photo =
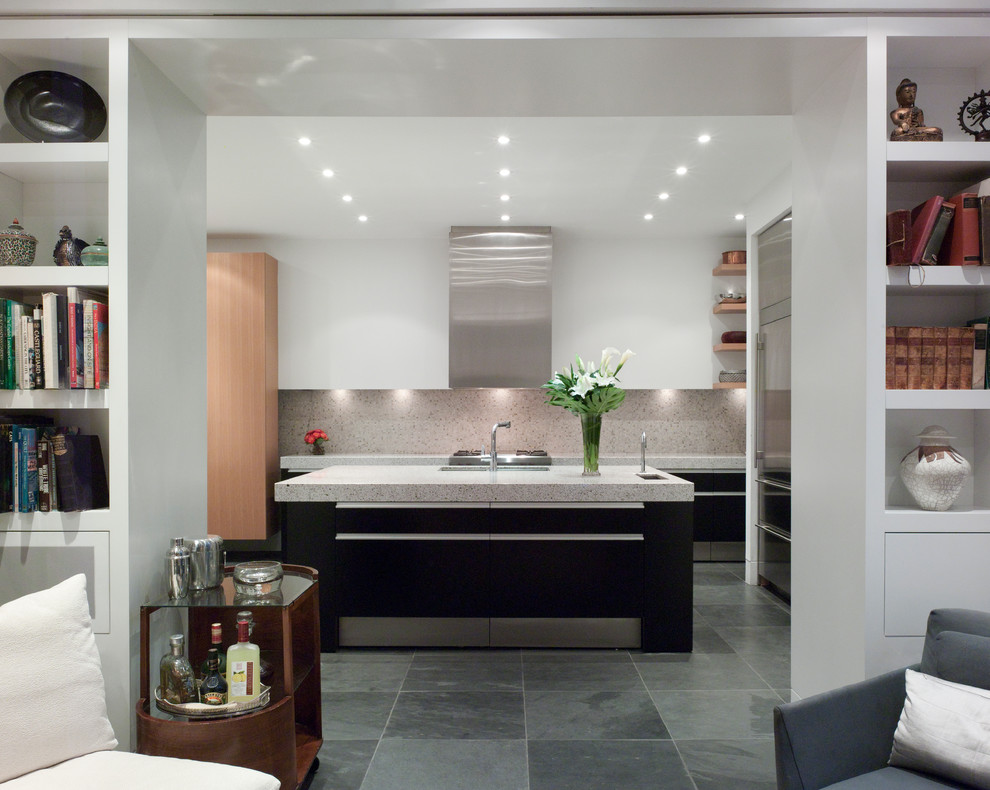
(52, 700)
(111, 770)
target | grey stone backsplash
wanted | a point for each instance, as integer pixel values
(396, 422)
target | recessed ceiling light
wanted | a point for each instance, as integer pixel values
(704, 138)
(663, 195)
(681, 170)
(328, 173)
(740, 216)
(504, 198)
(363, 218)
(505, 218)
(347, 198)
(304, 141)
(503, 140)
(504, 172)
(647, 216)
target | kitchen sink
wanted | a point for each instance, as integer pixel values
(500, 468)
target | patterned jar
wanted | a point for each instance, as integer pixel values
(933, 472)
(17, 246)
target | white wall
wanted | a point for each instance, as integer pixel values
(829, 370)
(373, 314)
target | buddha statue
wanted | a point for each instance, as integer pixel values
(909, 121)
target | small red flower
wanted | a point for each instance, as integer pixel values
(316, 435)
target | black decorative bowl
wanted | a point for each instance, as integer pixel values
(54, 107)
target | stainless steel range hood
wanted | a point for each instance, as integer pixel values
(500, 305)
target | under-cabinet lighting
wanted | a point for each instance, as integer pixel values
(304, 141)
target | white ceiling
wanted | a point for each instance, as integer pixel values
(597, 128)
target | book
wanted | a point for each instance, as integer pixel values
(898, 237)
(62, 339)
(101, 346)
(961, 246)
(939, 381)
(76, 297)
(900, 357)
(932, 248)
(967, 349)
(81, 477)
(49, 337)
(44, 475)
(27, 352)
(923, 218)
(979, 353)
(10, 362)
(16, 313)
(26, 453)
(927, 358)
(984, 201)
(39, 365)
(890, 357)
(914, 358)
(953, 359)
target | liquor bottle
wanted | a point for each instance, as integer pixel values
(213, 689)
(216, 641)
(267, 670)
(243, 667)
(178, 683)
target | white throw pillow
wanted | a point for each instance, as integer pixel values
(944, 730)
(52, 699)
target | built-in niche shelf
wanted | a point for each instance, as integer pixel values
(729, 347)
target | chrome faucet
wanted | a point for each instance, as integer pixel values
(642, 453)
(494, 458)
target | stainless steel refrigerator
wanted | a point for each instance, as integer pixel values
(773, 408)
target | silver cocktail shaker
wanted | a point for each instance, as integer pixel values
(178, 569)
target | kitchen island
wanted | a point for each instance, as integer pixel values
(412, 555)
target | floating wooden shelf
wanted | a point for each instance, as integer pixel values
(729, 385)
(729, 270)
(730, 307)
(730, 346)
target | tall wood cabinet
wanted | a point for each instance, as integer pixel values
(242, 394)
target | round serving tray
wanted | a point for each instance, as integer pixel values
(54, 107)
(198, 710)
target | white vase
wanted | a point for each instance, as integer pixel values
(933, 472)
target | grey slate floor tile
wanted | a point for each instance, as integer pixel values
(511, 719)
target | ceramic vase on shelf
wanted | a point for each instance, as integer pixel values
(591, 432)
(933, 472)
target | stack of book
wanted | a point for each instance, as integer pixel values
(44, 467)
(62, 343)
(953, 231)
(935, 358)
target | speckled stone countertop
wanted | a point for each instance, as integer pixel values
(426, 483)
(665, 462)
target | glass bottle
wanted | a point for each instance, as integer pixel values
(216, 641)
(213, 689)
(243, 667)
(266, 666)
(177, 681)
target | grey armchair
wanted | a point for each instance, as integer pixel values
(842, 739)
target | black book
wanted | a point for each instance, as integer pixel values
(80, 476)
(930, 253)
(62, 339)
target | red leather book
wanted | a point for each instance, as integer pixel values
(923, 217)
(898, 237)
(962, 242)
